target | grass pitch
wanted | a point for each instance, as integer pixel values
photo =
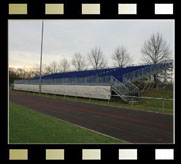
(31, 127)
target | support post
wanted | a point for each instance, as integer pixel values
(163, 105)
(41, 57)
(132, 102)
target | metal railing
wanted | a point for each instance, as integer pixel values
(122, 89)
(91, 80)
(147, 71)
(133, 90)
(159, 106)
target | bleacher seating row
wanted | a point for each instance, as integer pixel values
(116, 72)
(120, 80)
(95, 76)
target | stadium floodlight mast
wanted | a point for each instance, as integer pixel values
(41, 56)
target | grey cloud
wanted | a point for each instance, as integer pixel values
(66, 37)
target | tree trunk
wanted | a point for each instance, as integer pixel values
(155, 80)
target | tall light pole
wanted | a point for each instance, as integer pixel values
(41, 56)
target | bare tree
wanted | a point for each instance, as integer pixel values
(155, 50)
(52, 67)
(96, 59)
(13, 75)
(20, 73)
(121, 57)
(27, 73)
(64, 65)
(79, 62)
(35, 70)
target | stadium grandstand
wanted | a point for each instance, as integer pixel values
(100, 83)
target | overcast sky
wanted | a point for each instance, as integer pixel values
(64, 38)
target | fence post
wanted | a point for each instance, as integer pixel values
(163, 105)
(55, 93)
(132, 102)
(89, 97)
(108, 101)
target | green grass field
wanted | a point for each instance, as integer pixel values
(156, 105)
(28, 126)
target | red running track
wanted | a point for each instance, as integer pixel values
(126, 124)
